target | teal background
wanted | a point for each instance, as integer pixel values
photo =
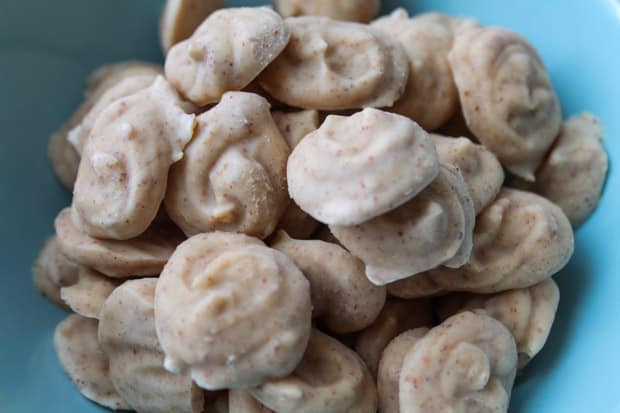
(48, 47)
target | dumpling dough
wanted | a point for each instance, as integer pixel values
(466, 364)
(335, 65)
(79, 353)
(355, 168)
(528, 313)
(124, 169)
(231, 311)
(354, 10)
(127, 335)
(430, 98)
(329, 379)
(342, 296)
(431, 229)
(181, 17)
(233, 175)
(507, 98)
(226, 52)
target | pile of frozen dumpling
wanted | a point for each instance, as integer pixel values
(304, 214)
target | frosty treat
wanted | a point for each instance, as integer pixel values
(468, 363)
(53, 270)
(388, 374)
(520, 240)
(124, 168)
(430, 97)
(231, 311)
(334, 65)
(528, 313)
(573, 175)
(419, 235)
(79, 353)
(342, 296)
(507, 98)
(329, 379)
(238, 159)
(355, 168)
(127, 86)
(127, 335)
(181, 17)
(145, 255)
(226, 52)
(87, 295)
(482, 172)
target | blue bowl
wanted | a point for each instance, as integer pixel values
(48, 47)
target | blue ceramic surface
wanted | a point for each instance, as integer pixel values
(47, 47)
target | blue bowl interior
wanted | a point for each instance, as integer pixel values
(48, 47)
